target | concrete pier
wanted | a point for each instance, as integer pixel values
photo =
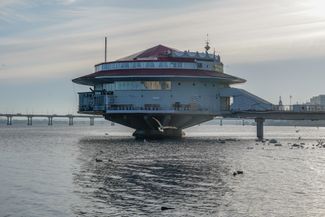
(259, 128)
(92, 121)
(50, 122)
(70, 121)
(29, 120)
(9, 120)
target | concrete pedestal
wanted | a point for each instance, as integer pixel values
(156, 134)
(259, 128)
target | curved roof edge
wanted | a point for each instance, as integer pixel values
(97, 77)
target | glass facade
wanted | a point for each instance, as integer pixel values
(138, 85)
(146, 65)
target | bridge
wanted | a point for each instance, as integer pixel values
(247, 105)
(261, 116)
(50, 118)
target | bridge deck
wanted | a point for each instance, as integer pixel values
(279, 115)
(50, 115)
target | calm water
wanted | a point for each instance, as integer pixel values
(52, 171)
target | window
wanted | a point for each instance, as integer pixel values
(150, 65)
(138, 85)
(146, 64)
(98, 87)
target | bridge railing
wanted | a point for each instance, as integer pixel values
(299, 108)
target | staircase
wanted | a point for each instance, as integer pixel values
(245, 101)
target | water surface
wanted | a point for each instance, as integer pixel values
(102, 171)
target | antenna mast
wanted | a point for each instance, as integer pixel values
(207, 46)
(105, 49)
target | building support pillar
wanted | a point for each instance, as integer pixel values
(50, 122)
(9, 120)
(156, 134)
(29, 120)
(70, 121)
(92, 121)
(259, 128)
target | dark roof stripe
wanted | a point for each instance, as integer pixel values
(162, 72)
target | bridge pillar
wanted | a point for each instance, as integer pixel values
(259, 128)
(50, 122)
(29, 120)
(92, 121)
(9, 120)
(70, 121)
(220, 122)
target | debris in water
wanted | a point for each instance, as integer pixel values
(277, 144)
(98, 160)
(165, 208)
(273, 141)
(238, 172)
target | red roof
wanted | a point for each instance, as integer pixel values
(154, 52)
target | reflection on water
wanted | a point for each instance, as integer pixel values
(138, 178)
(82, 171)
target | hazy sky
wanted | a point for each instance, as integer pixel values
(278, 46)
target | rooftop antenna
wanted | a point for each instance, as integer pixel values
(207, 46)
(105, 49)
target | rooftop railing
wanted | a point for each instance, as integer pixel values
(299, 108)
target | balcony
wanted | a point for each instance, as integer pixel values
(94, 102)
(99, 103)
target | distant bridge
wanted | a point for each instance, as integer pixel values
(50, 117)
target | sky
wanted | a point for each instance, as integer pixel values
(278, 46)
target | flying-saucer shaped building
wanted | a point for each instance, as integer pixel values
(160, 91)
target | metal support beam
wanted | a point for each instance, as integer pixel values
(259, 128)
(70, 121)
(92, 121)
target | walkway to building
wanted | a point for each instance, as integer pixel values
(261, 116)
